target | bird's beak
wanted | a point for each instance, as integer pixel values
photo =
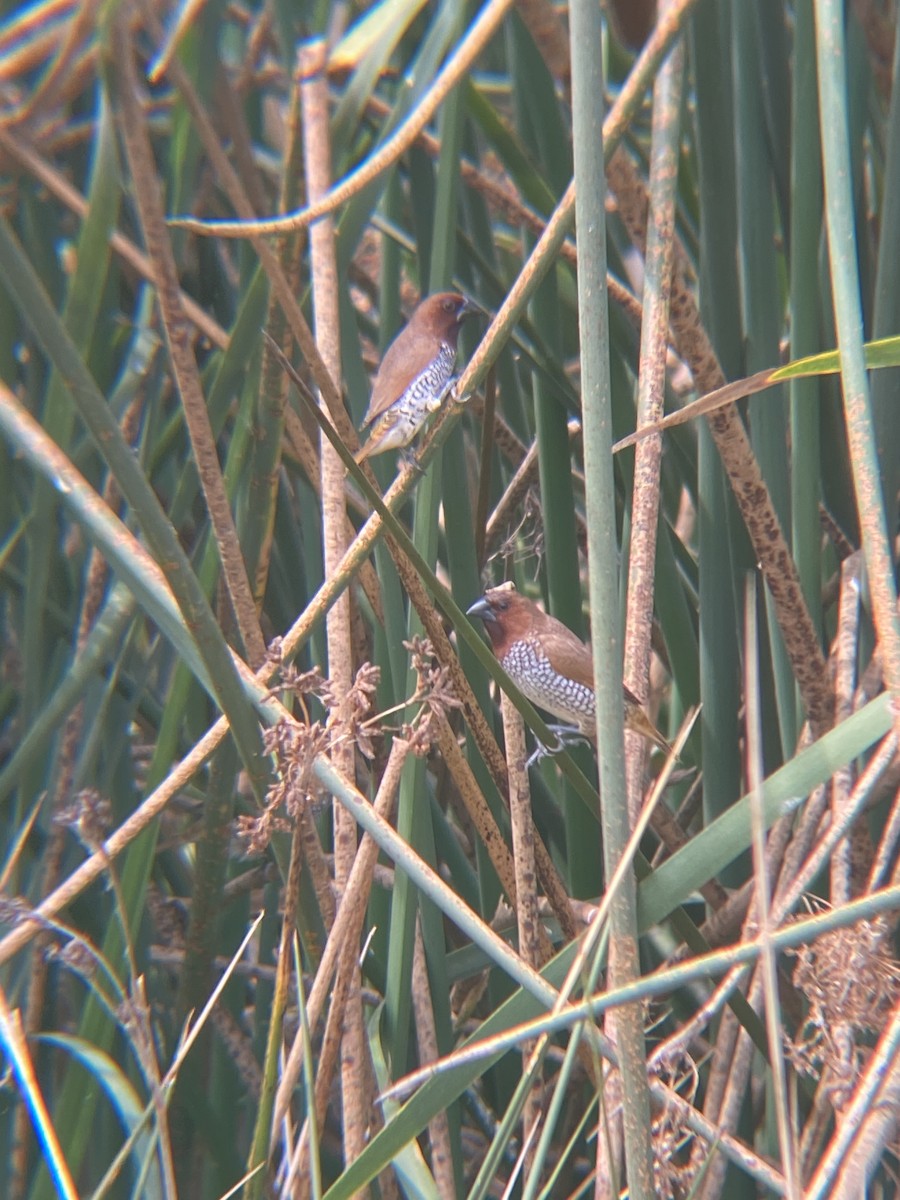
(481, 608)
(470, 309)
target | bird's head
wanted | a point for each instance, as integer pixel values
(507, 615)
(443, 313)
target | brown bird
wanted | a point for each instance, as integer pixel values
(550, 665)
(416, 373)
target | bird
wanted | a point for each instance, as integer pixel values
(551, 665)
(415, 374)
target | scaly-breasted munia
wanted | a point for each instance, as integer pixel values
(416, 373)
(550, 665)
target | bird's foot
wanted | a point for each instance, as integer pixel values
(451, 391)
(406, 458)
(566, 736)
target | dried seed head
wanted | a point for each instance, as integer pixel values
(295, 745)
(851, 981)
(674, 1168)
(89, 817)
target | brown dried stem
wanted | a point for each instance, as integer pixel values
(147, 191)
(429, 1052)
(752, 495)
(527, 917)
(651, 397)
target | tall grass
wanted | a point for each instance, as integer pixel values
(275, 914)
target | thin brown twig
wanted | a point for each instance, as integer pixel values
(156, 236)
(343, 939)
(651, 398)
(527, 918)
(346, 1014)
(457, 67)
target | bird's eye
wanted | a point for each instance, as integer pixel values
(449, 305)
(503, 605)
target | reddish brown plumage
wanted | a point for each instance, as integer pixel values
(415, 372)
(548, 663)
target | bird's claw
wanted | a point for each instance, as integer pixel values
(540, 751)
(566, 736)
(407, 458)
(455, 395)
